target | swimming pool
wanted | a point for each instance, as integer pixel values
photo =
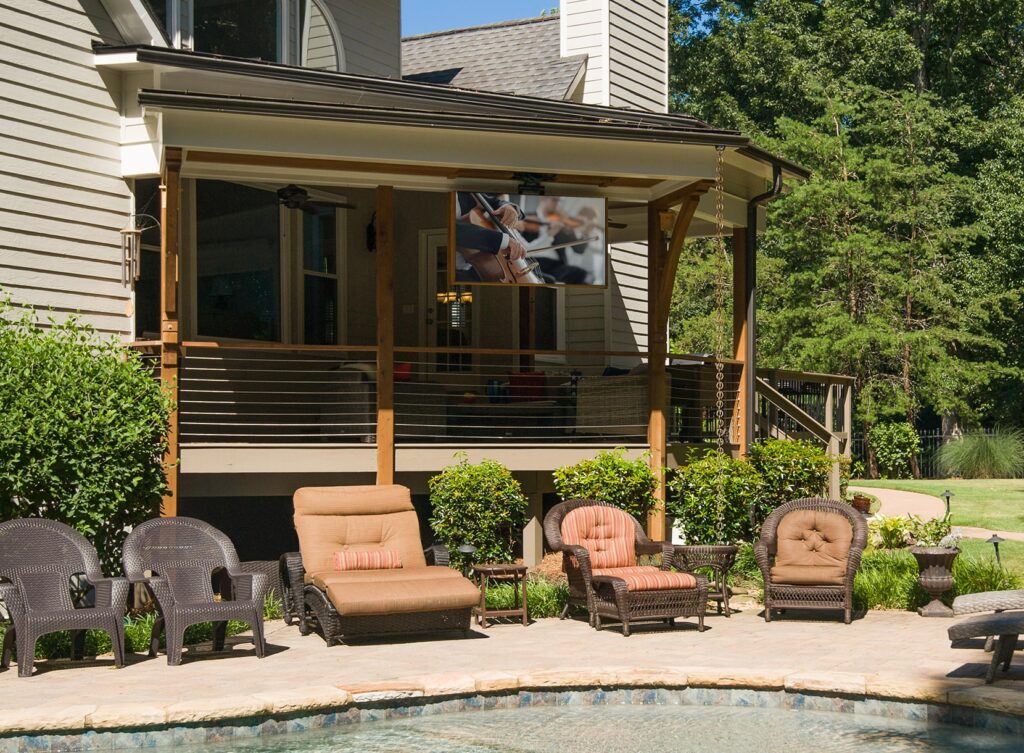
(636, 728)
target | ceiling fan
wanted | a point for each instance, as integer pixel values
(297, 197)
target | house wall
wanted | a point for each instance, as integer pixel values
(321, 51)
(627, 45)
(63, 200)
(371, 35)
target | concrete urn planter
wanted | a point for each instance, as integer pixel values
(935, 574)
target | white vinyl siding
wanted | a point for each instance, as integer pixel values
(370, 35)
(584, 29)
(638, 45)
(63, 200)
(320, 48)
(627, 297)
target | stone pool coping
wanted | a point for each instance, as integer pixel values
(134, 725)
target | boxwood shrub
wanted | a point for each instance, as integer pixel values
(610, 477)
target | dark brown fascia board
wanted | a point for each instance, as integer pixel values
(401, 87)
(578, 128)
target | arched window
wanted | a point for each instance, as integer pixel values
(321, 42)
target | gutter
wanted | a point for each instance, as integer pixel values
(750, 351)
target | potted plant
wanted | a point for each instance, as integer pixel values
(934, 549)
(861, 503)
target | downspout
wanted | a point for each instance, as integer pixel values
(750, 353)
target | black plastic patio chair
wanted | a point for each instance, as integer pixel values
(177, 560)
(38, 560)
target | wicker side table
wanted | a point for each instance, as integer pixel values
(719, 559)
(502, 573)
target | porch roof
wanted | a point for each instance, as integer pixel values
(417, 104)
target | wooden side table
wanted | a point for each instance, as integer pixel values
(719, 559)
(503, 573)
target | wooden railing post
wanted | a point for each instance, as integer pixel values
(743, 423)
(657, 345)
(170, 351)
(385, 335)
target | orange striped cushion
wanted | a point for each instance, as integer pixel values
(607, 533)
(376, 559)
(649, 578)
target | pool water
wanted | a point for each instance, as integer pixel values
(639, 729)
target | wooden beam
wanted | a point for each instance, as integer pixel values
(675, 248)
(739, 336)
(385, 335)
(441, 171)
(170, 351)
(679, 195)
(657, 436)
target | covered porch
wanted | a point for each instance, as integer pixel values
(348, 347)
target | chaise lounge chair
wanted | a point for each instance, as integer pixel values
(600, 544)
(183, 556)
(361, 571)
(809, 552)
(38, 559)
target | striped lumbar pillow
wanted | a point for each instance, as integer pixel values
(377, 559)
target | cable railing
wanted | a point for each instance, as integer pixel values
(693, 399)
(818, 406)
(272, 393)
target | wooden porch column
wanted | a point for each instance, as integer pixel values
(657, 346)
(385, 335)
(170, 352)
(743, 423)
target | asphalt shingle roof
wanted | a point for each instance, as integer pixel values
(512, 57)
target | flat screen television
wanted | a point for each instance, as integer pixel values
(520, 239)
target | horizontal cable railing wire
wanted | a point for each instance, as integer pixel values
(286, 394)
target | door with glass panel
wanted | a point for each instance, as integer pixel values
(321, 319)
(449, 319)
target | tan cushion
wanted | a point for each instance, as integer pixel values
(398, 595)
(336, 577)
(607, 533)
(814, 538)
(647, 578)
(808, 575)
(358, 519)
(380, 559)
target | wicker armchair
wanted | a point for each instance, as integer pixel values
(599, 545)
(809, 553)
(37, 560)
(183, 556)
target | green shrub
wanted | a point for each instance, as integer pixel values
(932, 532)
(790, 469)
(889, 532)
(996, 455)
(977, 574)
(479, 504)
(544, 597)
(83, 428)
(611, 478)
(894, 445)
(716, 500)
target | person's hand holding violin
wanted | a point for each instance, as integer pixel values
(515, 249)
(508, 214)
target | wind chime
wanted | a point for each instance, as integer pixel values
(131, 246)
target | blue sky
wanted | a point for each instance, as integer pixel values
(422, 16)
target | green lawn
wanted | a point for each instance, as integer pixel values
(997, 504)
(1011, 552)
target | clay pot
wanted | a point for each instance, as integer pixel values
(861, 504)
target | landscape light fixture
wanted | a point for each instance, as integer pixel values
(467, 551)
(995, 540)
(946, 496)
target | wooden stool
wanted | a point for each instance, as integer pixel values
(503, 573)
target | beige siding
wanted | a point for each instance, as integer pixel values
(321, 51)
(370, 34)
(627, 297)
(62, 197)
(638, 51)
(584, 29)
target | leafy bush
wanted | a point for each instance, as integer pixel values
(894, 444)
(973, 575)
(790, 469)
(545, 598)
(889, 532)
(610, 478)
(717, 489)
(996, 455)
(83, 428)
(933, 532)
(479, 504)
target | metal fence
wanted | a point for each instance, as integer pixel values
(931, 441)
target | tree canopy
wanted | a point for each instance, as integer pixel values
(901, 261)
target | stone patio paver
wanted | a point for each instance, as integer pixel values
(886, 654)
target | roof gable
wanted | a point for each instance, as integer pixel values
(512, 57)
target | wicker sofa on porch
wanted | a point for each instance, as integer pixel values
(361, 571)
